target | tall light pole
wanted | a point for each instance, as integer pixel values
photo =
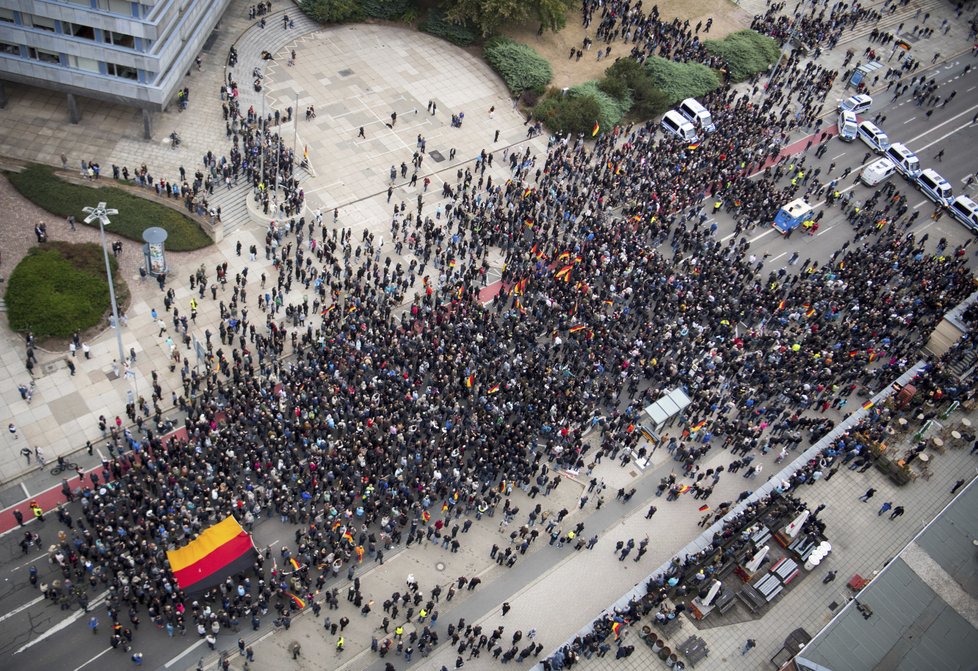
(102, 213)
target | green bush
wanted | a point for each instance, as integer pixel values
(745, 52)
(520, 66)
(681, 80)
(568, 114)
(60, 288)
(647, 101)
(389, 10)
(460, 34)
(612, 109)
(332, 11)
(46, 190)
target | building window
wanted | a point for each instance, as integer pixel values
(42, 23)
(9, 49)
(7, 15)
(123, 7)
(120, 40)
(80, 63)
(78, 30)
(123, 71)
(43, 55)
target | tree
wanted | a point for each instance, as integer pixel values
(332, 11)
(488, 15)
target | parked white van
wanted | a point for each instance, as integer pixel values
(674, 122)
(873, 136)
(847, 126)
(905, 160)
(877, 171)
(935, 187)
(965, 210)
(856, 104)
(697, 114)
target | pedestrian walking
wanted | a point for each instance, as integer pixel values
(506, 608)
(957, 485)
(885, 507)
(749, 645)
(896, 512)
(868, 495)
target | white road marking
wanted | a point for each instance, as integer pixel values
(27, 494)
(64, 624)
(93, 659)
(923, 202)
(909, 120)
(778, 256)
(184, 654)
(21, 608)
(17, 568)
(968, 91)
(832, 159)
(824, 231)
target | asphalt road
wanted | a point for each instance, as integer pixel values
(36, 634)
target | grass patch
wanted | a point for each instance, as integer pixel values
(41, 186)
(60, 288)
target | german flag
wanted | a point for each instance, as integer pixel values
(451, 264)
(469, 381)
(328, 310)
(300, 604)
(596, 129)
(616, 630)
(493, 389)
(564, 273)
(519, 306)
(810, 313)
(294, 563)
(609, 303)
(781, 305)
(704, 508)
(575, 329)
(220, 551)
(528, 222)
(695, 145)
(348, 537)
(868, 404)
(696, 427)
(425, 517)
(353, 308)
(563, 256)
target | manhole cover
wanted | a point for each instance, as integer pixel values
(833, 605)
(345, 73)
(436, 156)
(440, 566)
(49, 368)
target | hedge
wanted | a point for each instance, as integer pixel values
(568, 114)
(520, 66)
(612, 109)
(332, 11)
(745, 52)
(681, 80)
(628, 74)
(436, 24)
(45, 189)
(60, 288)
(389, 10)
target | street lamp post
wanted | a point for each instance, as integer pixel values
(102, 213)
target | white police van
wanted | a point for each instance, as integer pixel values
(856, 104)
(877, 171)
(674, 122)
(697, 114)
(935, 187)
(965, 210)
(873, 136)
(847, 126)
(906, 162)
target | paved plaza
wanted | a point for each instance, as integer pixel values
(357, 76)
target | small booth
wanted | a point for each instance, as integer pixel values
(663, 413)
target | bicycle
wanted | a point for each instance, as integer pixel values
(63, 467)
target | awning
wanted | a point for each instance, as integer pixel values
(220, 551)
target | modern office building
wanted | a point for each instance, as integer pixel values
(130, 52)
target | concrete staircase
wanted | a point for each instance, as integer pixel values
(273, 38)
(904, 15)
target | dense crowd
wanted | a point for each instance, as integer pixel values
(362, 390)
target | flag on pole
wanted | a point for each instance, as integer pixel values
(294, 563)
(704, 508)
(597, 127)
(469, 381)
(868, 404)
(575, 329)
(493, 389)
(564, 273)
(696, 427)
(298, 602)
